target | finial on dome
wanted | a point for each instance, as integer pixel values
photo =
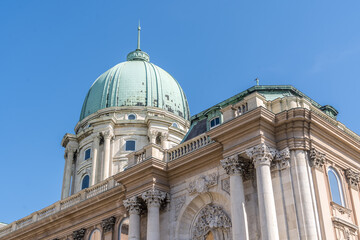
(138, 43)
(138, 55)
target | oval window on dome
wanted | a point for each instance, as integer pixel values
(175, 125)
(131, 116)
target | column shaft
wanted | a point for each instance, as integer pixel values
(303, 194)
(95, 160)
(153, 223)
(267, 211)
(106, 157)
(67, 174)
(238, 211)
(134, 226)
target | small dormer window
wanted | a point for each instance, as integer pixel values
(214, 122)
(175, 125)
(85, 182)
(87, 154)
(131, 116)
(130, 145)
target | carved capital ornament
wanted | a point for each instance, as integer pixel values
(79, 234)
(133, 205)
(353, 178)
(154, 197)
(317, 159)
(261, 154)
(108, 224)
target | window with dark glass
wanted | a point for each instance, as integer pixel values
(85, 182)
(214, 122)
(335, 187)
(130, 145)
(87, 154)
(131, 117)
(124, 229)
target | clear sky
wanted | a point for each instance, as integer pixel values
(52, 51)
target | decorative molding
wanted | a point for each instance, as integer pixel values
(108, 224)
(282, 160)
(353, 178)
(317, 159)
(225, 185)
(179, 203)
(203, 183)
(79, 234)
(154, 197)
(236, 165)
(261, 154)
(210, 217)
(133, 205)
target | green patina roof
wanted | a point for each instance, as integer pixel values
(199, 121)
(136, 82)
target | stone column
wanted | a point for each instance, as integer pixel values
(303, 194)
(262, 156)
(164, 142)
(107, 161)
(153, 199)
(70, 151)
(95, 149)
(133, 206)
(235, 167)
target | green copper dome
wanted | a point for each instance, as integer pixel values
(136, 82)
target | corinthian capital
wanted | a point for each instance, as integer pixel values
(108, 134)
(353, 178)
(154, 198)
(108, 224)
(282, 159)
(235, 165)
(261, 154)
(132, 205)
(317, 159)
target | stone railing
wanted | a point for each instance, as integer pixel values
(140, 156)
(60, 205)
(188, 147)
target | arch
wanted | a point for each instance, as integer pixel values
(85, 182)
(175, 125)
(337, 194)
(124, 229)
(189, 213)
(95, 235)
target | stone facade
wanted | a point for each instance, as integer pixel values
(272, 168)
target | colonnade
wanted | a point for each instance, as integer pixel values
(153, 199)
(262, 157)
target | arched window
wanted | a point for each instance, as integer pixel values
(337, 195)
(85, 182)
(124, 229)
(95, 235)
(175, 125)
(131, 116)
(214, 122)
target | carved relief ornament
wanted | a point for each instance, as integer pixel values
(203, 183)
(179, 203)
(317, 159)
(133, 205)
(261, 154)
(282, 159)
(210, 217)
(353, 178)
(79, 234)
(108, 224)
(154, 197)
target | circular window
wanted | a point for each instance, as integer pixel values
(132, 116)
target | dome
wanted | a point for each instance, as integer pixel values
(136, 82)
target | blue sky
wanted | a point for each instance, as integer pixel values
(52, 51)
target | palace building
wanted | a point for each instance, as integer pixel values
(268, 163)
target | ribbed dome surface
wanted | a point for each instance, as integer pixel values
(136, 83)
